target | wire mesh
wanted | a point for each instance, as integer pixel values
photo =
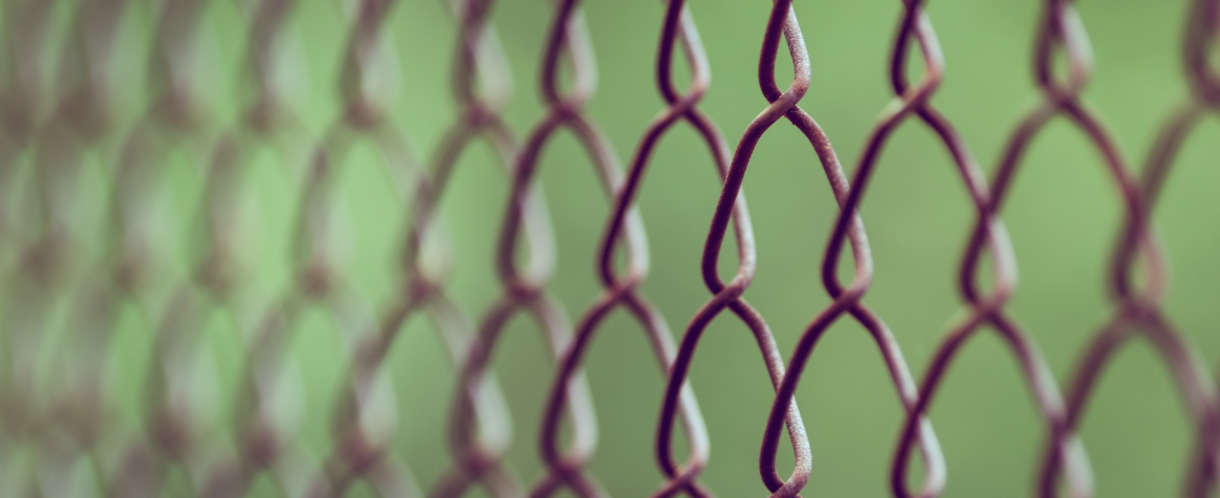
(55, 128)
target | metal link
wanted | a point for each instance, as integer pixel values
(526, 290)
(625, 233)
(848, 227)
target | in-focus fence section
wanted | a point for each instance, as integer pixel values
(74, 264)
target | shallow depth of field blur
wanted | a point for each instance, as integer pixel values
(1063, 216)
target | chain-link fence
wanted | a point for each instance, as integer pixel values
(151, 353)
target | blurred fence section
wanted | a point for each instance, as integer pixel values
(86, 183)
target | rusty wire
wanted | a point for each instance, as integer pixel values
(262, 440)
(987, 310)
(1139, 310)
(478, 428)
(175, 120)
(624, 232)
(364, 420)
(67, 417)
(848, 227)
(71, 426)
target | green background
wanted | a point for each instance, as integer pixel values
(1063, 215)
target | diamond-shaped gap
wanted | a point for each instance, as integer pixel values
(370, 198)
(983, 404)
(1129, 452)
(318, 355)
(265, 485)
(176, 482)
(1183, 205)
(471, 210)
(362, 489)
(424, 384)
(627, 385)
(523, 365)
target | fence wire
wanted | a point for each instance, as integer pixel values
(55, 128)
